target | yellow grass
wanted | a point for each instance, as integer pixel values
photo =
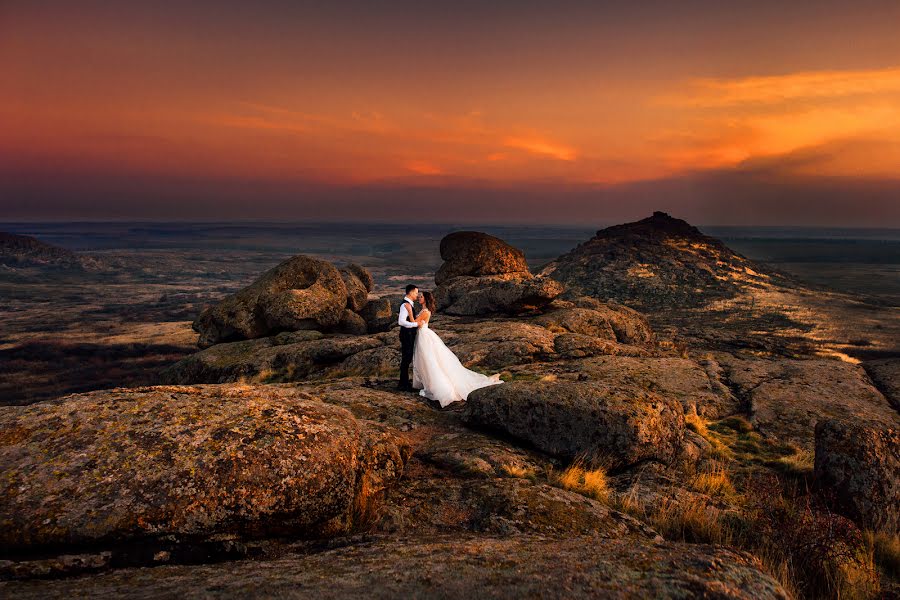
(517, 471)
(714, 483)
(698, 425)
(589, 482)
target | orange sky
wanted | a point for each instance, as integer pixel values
(458, 96)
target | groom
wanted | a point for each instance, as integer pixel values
(408, 330)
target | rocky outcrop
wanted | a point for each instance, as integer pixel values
(858, 465)
(603, 425)
(483, 275)
(300, 293)
(495, 294)
(289, 356)
(359, 283)
(109, 466)
(23, 251)
(588, 316)
(378, 315)
(885, 373)
(520, 566)
(656, 263)
(786, 398)
(695, 385)
(475, 254)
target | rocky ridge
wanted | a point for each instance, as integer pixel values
(482, 498)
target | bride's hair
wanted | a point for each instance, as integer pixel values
(429, 301)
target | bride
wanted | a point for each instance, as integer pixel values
(437, 373)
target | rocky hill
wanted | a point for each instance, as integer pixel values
(697, 291)
(658, 263)
(608, 464)
(26, 252)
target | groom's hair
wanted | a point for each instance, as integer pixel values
(410, 288)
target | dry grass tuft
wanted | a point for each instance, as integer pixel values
(698, 425)
(585, 481)
(517, 471)
(715, 482)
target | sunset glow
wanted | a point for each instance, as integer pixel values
(323, 99)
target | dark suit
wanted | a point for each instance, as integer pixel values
(407, 345)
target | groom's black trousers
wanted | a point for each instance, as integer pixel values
(407, 343)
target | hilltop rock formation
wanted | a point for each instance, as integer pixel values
(302, 293)
(476, 254)
(22, 251)
(657, 262)
(602, 425)
(109, 466)
(484, 275)
(859, 464)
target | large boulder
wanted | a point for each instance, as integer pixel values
(476, 296)
(358, 282)
(484, 275)
(603, 425)
(300, 293)
(858, 464)
(378, 315)
(110, 466)
(476, 254)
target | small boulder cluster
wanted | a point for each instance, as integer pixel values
(302, 293)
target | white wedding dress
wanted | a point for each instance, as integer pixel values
(438, 374)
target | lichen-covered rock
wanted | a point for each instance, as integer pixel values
(300, 293)
(885, 373)
(121, 464)
(507, 567)
(363, 274)
(601, 424)
(476, 254)
(358, 282)
(496, 344)
(858, 464)
(351, 323)
(696, 386)
(788, 397)
(495, 294)
(378, 315)
(287, 357)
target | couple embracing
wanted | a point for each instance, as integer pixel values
(437, 372)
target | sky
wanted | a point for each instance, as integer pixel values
(747, 113)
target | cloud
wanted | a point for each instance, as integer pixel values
(809, 85)
(423, 167)
(542, 147)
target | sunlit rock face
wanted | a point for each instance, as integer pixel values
(657, 262)
(112, 466)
